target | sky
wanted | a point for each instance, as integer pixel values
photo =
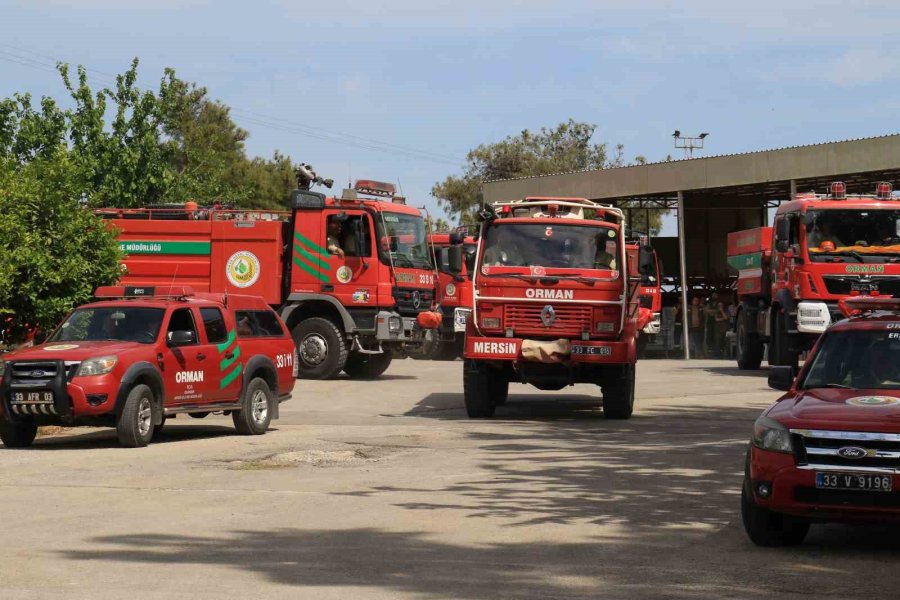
(401, 90)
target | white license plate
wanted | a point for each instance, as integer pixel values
(32, 398)
(592, 350)
(854, 481)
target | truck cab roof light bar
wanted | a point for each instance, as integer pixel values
(127, 291)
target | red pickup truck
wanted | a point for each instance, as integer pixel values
(829, 448)
(141, 355)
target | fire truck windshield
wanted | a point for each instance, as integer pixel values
(853, 233)
(856, 359)
(556, 246)
(120, 323)
(403, 241)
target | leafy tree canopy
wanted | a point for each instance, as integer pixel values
(567, 147)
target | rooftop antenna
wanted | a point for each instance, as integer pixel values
(689, 143)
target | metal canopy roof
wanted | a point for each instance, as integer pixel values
(764, 175)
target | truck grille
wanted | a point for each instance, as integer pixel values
(412, 301)
(525, 319)
(38, 374)
(822, 449)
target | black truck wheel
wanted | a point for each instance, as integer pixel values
(321, 349)
(134, 424)
(767, 528)
(479, 381)
(779, 345)
(452, 350)
(367, 366)
(20, 434)
(749, 349)
(618, 394)
(255, 414)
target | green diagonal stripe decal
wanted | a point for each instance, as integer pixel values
(310, 244)
(311, 257)
(310, 270)
(224, 345)
(227, 362)
(230, 377)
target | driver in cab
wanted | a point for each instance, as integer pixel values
(879, 369)
(606, 256)
(504, 252)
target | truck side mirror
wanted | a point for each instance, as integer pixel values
(646, 264)
(181, 338)
(454, 259)
(456, 238)
(781, 377)
(305, 199)
(782, 235)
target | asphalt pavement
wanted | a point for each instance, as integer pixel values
(385, 489)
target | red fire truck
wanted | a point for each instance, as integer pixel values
(455, 294)
(351, 276)
(791, 276)
(555, 303)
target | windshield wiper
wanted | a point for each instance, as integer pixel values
(522, 276)
(839, 385)
(852, 253)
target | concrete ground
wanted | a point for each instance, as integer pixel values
(385, 490)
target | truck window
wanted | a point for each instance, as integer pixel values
(181, 320)
(258, 323)
(214, 324)
(350, 235)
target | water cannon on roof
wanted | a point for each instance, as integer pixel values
(307, 177)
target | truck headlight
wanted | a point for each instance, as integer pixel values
(96, 366)
(813, 317)
(769, 434)
(490, 322)
(394, 324)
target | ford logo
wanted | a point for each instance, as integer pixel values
(37, 373)
(852, 452)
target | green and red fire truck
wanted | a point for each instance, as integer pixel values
(822, 248)
(352, 276)
(556, 302)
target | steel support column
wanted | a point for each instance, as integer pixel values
(686, 310)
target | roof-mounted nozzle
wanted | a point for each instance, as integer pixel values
(306, 177)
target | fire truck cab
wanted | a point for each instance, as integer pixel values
(555, 303)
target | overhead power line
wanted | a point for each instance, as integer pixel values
(45, 62)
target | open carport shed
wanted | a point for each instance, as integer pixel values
(720, 194)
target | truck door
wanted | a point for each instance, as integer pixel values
(349, 241)
(224, 358)
(187, 361)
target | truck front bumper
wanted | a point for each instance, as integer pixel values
(393, 327)
(83, 397)
(548, 351)
(792, 490)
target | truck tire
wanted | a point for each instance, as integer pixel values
(767, 528)
(498, 388)
(367, 366)
(749, 349)
(779, 353)
(618, 394)
(134, 423)
(20, 434)
(478, 381)
(157, 430)
(452, 350)
(255, 414)
(321, 349)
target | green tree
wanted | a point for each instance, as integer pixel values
(55, 253)
(438, 225)
(567, 147)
